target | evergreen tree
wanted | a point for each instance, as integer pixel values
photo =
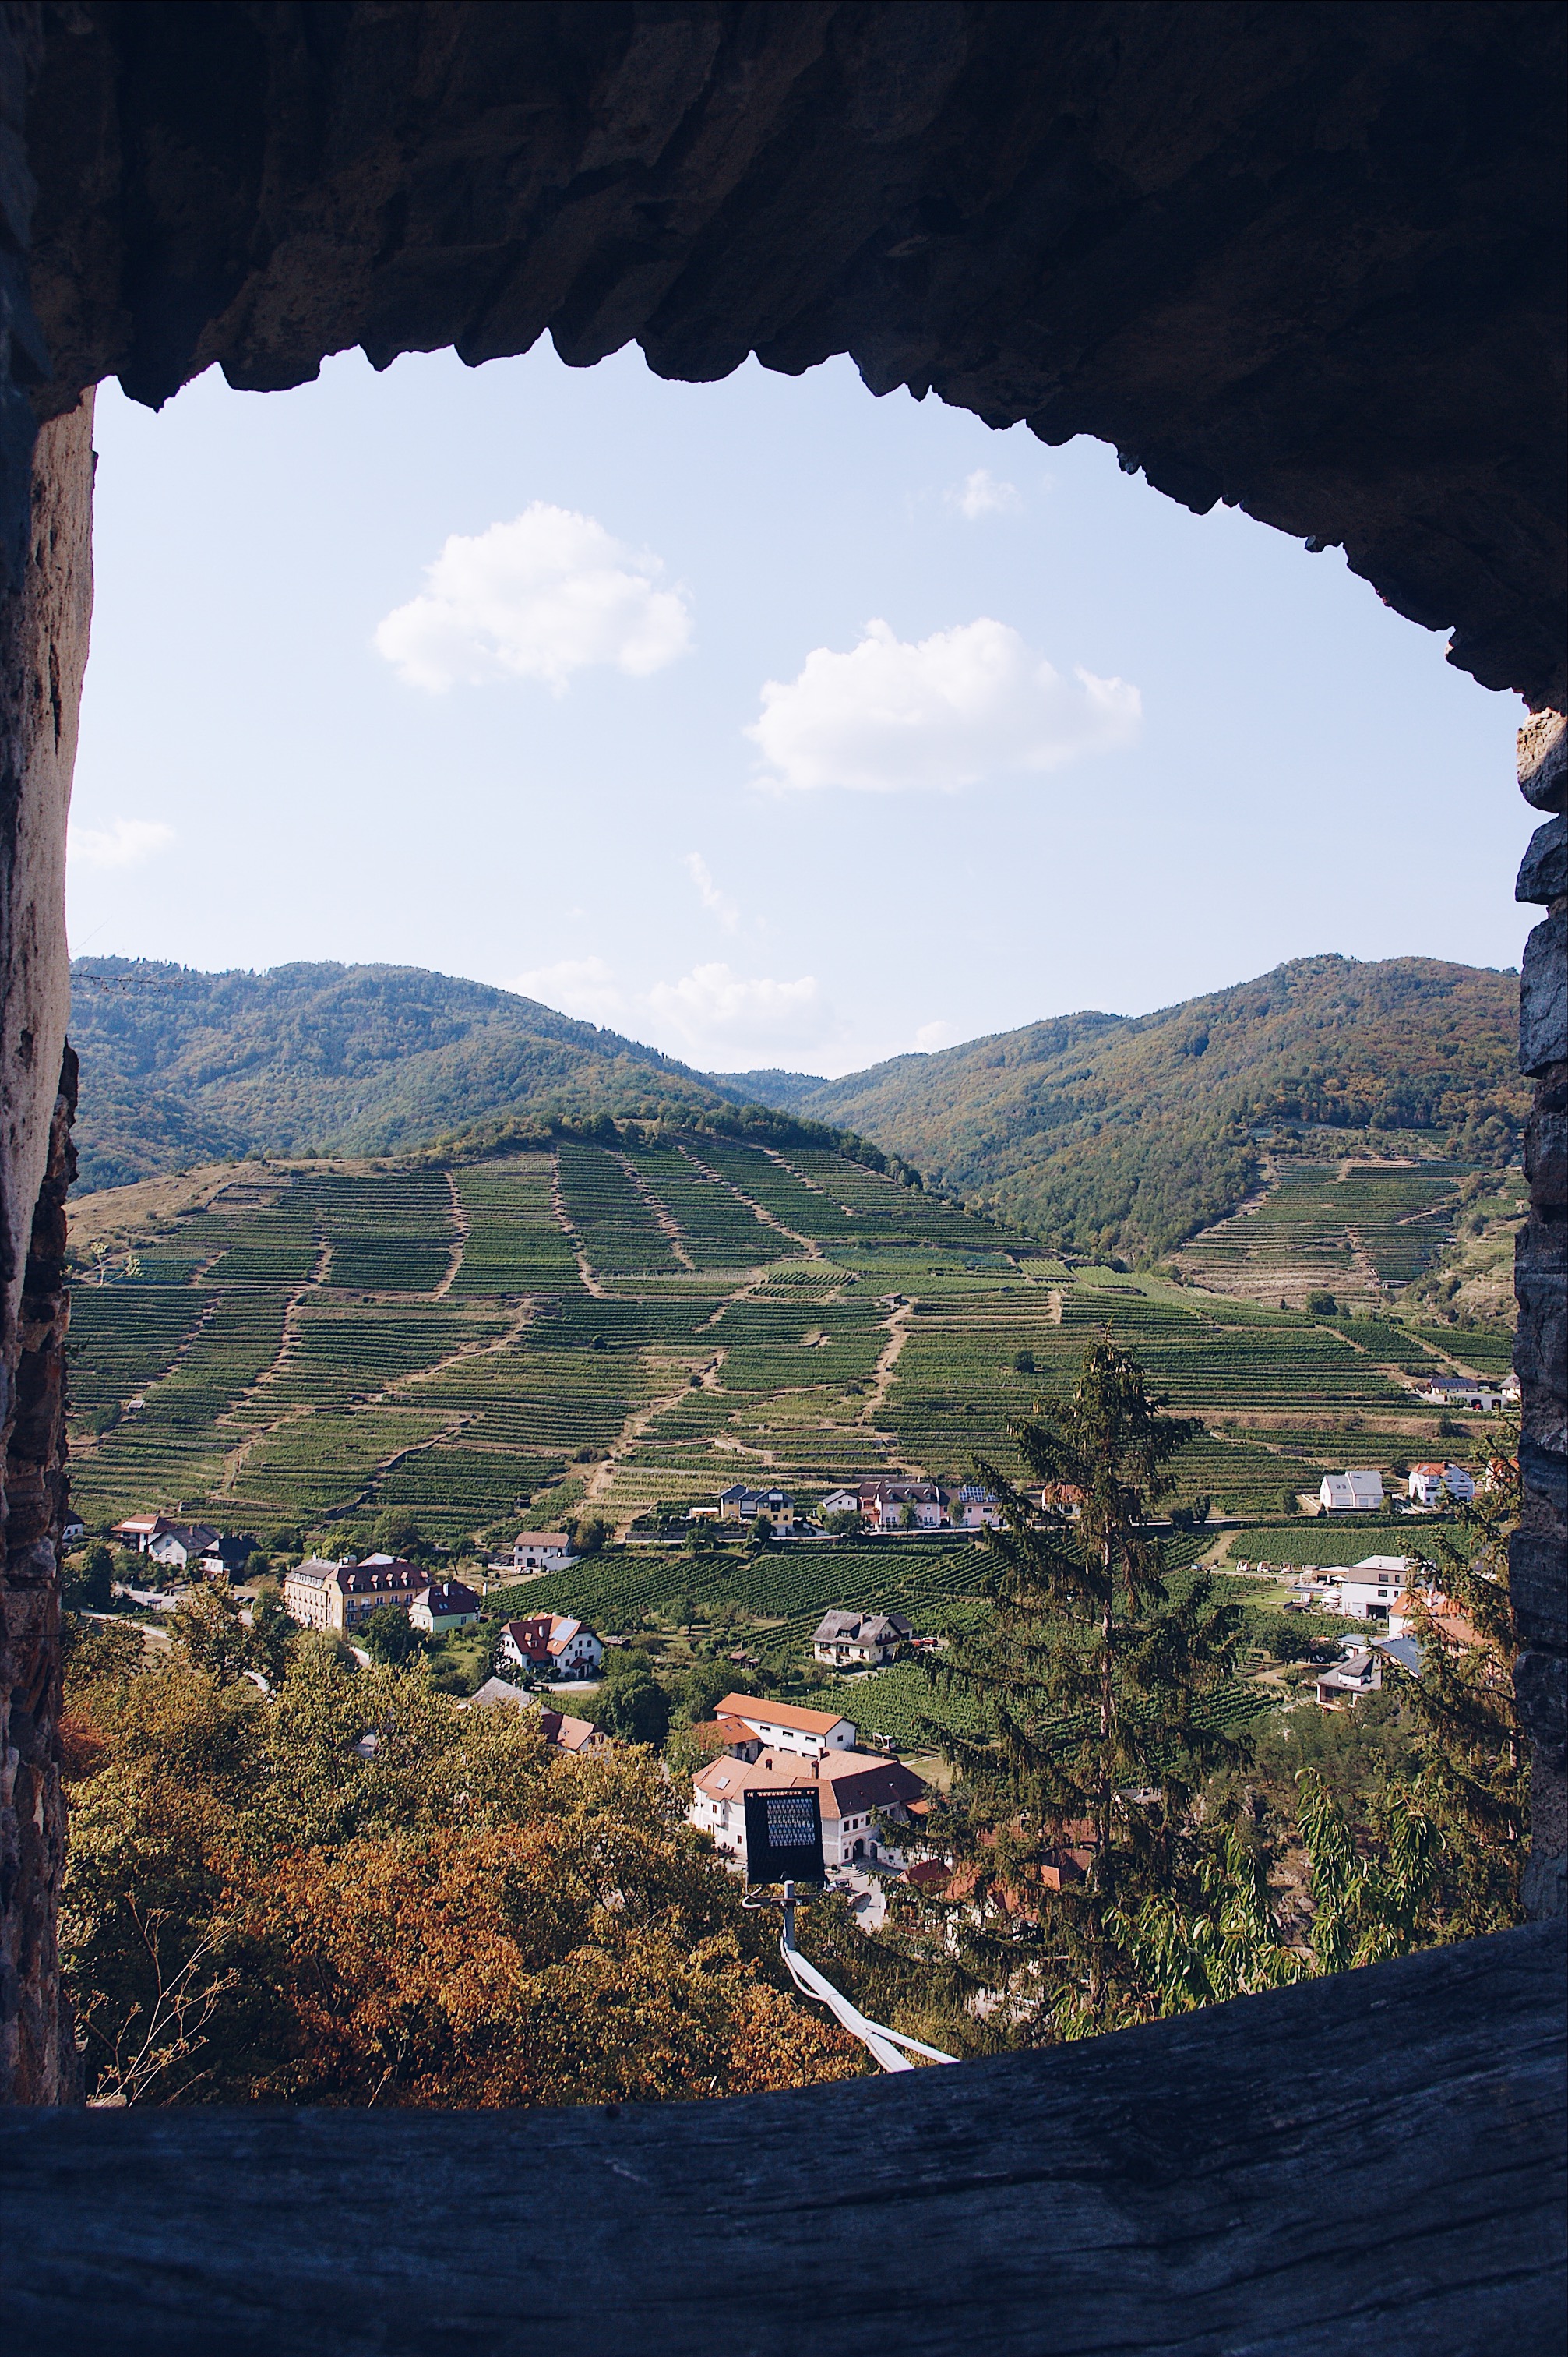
(1472, 1774)
(1091, 1680)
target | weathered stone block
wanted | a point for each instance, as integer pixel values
(1544, 871)
(1546, 1158)
(1538, 1584)
(1541, 1689)
(1543, 762)
(1543, 997)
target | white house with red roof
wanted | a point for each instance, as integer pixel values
(807, 1734)
(860, 1797)
(552, 1643)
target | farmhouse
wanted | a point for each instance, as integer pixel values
(541, 1551)
(975, 1509)
(448, 1604)
(739, 1504)
(566, 1734)
(859, 1793)
(1364, 1591)
(810, 1734)
(860, 1639)
(552, 1643)
(1434, 1485)
(139, 1531)
(1357, 1491)
(1358, 1673)
(1460, 1391)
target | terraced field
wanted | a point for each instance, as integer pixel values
(1356, 1226)
(321, 1340)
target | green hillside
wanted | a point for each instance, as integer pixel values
(179, 1066)
(638, 1318)
(1110, 1134)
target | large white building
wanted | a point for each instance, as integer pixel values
(861, 1795)
(1366, 1590)
(806, 1734)
(1434, 1485)
(1359, 1491)
(552, 1643)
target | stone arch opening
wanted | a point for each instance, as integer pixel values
(1304, 259)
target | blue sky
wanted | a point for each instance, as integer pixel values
(763, 720)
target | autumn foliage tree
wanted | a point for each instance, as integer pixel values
(264, 1904)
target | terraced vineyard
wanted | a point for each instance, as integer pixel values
(1354, 1226)
(321, 1340)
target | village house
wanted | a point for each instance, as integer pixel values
(740, 1505)
(731, 1736)
(137, 1532)
(542, 1551)
(448, 1604)
(566, 1734)
(1477, 1398)
(784, 1727)
(72, 1531)
(883, 1504)
(1366, 1591)
(339, 1596)
(1356, 1674)
(1056, 1499)
(860, 1640)
(1359, 1491)
(859, 1795)
(551, 1644)
(974, 1509)
(1434, 1485)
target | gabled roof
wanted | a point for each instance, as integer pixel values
(452, 1596)
(754, 1712)
(851, 1783)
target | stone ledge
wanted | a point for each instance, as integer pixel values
(1369, 2163)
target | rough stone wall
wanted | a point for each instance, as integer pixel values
(43, 650)
(1305, 258)
(1539, 1553)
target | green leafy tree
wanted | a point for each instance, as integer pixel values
(1471, 1769)
(273, 1635)
(631, 1704)
(389, 1635)
(397, 1532)
(209, 1632)
(589, 1533)
(1023, 1362)
(88, 1585)
(760, 1533)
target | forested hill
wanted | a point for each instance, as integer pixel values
(179, 1066)
(1110, 1133)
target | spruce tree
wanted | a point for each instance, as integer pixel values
(1088, 1688)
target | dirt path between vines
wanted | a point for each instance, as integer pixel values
(664, 1219)
(586, 1269)
(897, 1328)
(459, 1241)
(811, 1248)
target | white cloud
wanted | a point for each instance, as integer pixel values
(718, 903)
(584, 987)
(961, 705)
(982, 494)
(940, 1034)
(728, 1020)
(126, 843)
(540, 598)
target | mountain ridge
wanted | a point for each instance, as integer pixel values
(1100, 1132)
